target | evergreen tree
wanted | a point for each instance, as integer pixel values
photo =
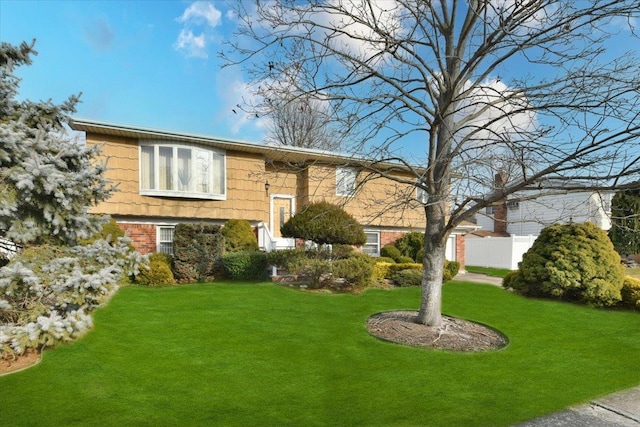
(47, 183)
(324, 223)
(625, 222)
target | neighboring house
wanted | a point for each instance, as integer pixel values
(165, 178)
(529, 217)
(509, 228)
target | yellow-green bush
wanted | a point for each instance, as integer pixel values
(157, 272)
(631, 292)
(384, 270)
(575, 262)
(239, 236)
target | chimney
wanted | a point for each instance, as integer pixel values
(500, 207)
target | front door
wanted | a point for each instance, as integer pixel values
(281, 212)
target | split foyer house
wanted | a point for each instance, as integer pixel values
(165, 178)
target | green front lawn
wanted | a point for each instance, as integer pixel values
(261, 354)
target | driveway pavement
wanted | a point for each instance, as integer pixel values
(614, 410)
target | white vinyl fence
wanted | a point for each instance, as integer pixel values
(497, 252)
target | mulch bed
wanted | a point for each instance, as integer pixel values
(453, 335)
(18, 363)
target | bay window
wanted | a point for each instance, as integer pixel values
(181, 170)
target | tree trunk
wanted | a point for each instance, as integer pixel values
(431, 298)
(432, 267)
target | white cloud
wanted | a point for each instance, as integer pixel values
(356, 38)
(201, 11)
(197, 15)
(492, 110)
(192, 45)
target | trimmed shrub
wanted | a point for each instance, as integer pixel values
(405, 260)
(356, 270)
(451, 269)
(631, 292)
(324, 223)
(197, 250)
(317, 272)
(407, 278)
(245, 265)
(410, 244)
(381, 270)
(342, 251)
(385, 259)
(286, 259)
(575, 262)
(390, 251)
(239, 236)
(509, 281)
(155, 274)
(394, 268)
(162, 257)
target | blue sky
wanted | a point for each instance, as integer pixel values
(143, 63)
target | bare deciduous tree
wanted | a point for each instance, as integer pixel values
(301, 122)
(458, 91)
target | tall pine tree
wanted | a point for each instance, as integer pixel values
(47, 184)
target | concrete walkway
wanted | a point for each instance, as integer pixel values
(478, 278)
(618, 409)
(615, 410)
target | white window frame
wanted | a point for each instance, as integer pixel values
(375, 246)
(177, 185)
(345, 181)
(160, 241)
(490, 210)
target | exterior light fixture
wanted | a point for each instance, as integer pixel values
(266, 187)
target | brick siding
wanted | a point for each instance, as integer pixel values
(143, 236)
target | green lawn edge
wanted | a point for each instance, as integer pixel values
(264, 354)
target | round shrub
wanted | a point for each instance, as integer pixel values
(452, 268)
(385, 259)
(239, 236)
(155, 274)
(356, 270)
(575, 262)
(631, 292)
(162, 257)
(405, 260)
(408, 277)
(390, 251)
(410, 244)
(324, 223)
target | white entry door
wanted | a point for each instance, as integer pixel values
(282, 208)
